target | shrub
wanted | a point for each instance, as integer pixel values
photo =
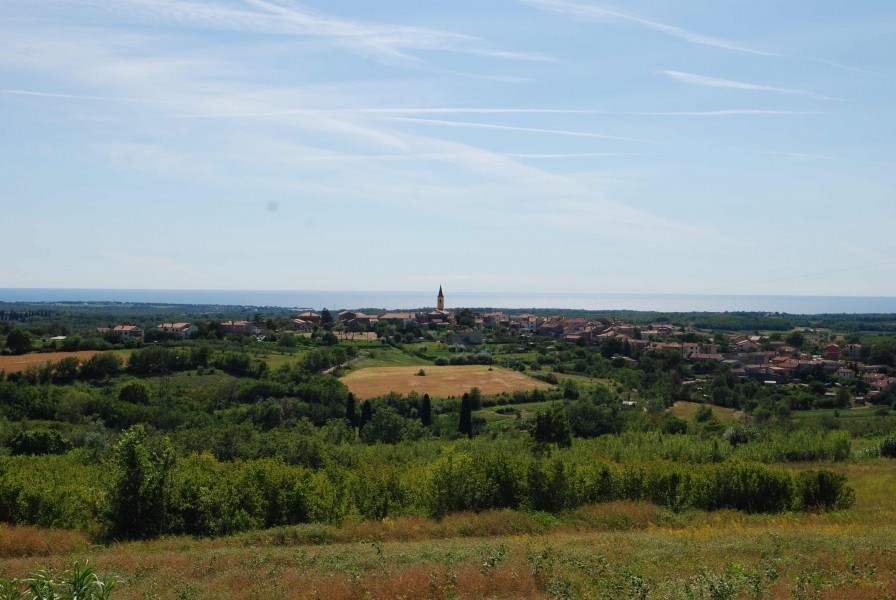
(39, 441)
(888, 447)
(822, 489)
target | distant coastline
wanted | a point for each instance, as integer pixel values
(318, 299)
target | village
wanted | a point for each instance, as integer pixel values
(768, 359)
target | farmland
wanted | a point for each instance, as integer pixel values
(439, 382)
(17, 364)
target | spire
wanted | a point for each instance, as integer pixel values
(441, 295)
(440, 301)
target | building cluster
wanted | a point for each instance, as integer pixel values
(748, 356)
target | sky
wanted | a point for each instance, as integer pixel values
(569, 146)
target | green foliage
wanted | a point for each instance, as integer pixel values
(888, 447)
(822, 489)
(551, 426)
(78, 583)
(39, 441)
(465, 424)
(101, 366)
(385, 426)
(426, 412)
(139, 493)
(18, 341)
(134, 393)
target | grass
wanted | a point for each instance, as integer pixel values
(612, 550)
(387, 356)
(687, 411)
(843, 413)
(277, 360)
(527, 410)
(439, 382)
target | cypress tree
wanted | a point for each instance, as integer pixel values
(350, 412)
(466, 417)
(426, 411)
(366, 414)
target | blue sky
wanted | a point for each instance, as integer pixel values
(723, 147)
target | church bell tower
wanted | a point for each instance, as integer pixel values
(440, 302)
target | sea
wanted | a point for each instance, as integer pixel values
(390, 300)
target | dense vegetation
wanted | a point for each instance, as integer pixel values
(216, 435)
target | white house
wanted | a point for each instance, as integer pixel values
(129, 332)
(179, 330)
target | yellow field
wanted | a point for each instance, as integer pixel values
(16, 364)
(439, 382)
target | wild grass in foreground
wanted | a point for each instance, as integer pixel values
(611, 550)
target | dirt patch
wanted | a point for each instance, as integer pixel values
(17, 364)
(439, 382)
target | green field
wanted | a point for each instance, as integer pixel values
(387, 357)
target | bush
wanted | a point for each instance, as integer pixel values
(39, 441)
(822, 489)
(888, 447)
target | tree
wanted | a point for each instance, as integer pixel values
(552, 426)
(366, 414)
(134, 393)
(18, 341)
(426, 411)
(100, 366)
(66, 369)
(39, 441)
(140, 487)
(326, 319)
(465, 426)
(386, 426)
(350, 412)
(795, 338)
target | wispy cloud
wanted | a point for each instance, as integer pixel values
(734, 112)
(598, 12)
(809, 156)
(585, 134)
(603, 13)
(390, 42)
(76, 96)
(716, 82)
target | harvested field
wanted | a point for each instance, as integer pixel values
(16, 364)
(439, 382)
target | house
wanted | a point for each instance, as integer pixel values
(854, 351)
(552, 328)
(441, 318)
(179, 330)
(348, 317)
(302, 325)
(129, 333)
(238, 328)
(309, 316)
(845, 373)
(399, 317)
(832, 351)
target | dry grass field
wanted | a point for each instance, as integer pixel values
(439, 382)
(16, 364)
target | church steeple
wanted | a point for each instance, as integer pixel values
(440, 302)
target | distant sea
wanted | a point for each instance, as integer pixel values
(397, 300)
